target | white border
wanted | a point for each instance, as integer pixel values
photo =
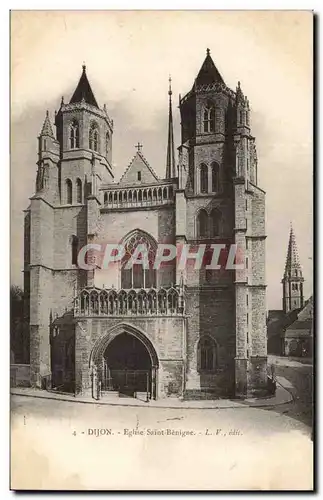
(4, 135)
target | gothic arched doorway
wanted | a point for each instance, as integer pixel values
(127, 366)
(125, 361)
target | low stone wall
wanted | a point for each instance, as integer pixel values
(19, 375)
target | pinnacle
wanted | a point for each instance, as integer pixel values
(47, 127)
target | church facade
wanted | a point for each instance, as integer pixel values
(167, 331)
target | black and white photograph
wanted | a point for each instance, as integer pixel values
(161, 290)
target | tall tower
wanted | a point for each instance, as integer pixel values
(293, 297)
(224, 205)
(63, 214)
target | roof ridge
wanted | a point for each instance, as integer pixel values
(146, 162)
(127, 168)
(139, 153)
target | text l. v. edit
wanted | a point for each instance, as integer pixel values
(162, 432)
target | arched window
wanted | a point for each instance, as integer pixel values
(202, 224)
(209, 118)
(206, 354)
(75, 244)
(137, 276)
(94, 137)
(215, 177)
(69, 192)
(204, 178)
(78, 191)
(215, 218)
(74, 135)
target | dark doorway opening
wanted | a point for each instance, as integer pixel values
(127, 366)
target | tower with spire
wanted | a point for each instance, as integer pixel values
(293, 296)
(208, 325)
(83, 129)
(218, 185)
(62, 217)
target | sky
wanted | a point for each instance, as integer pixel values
(129, 56)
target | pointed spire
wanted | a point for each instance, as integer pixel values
(208, 73)
(83, 91)
(170, 162)
(292, 259)
(239, 94)
(47, 127)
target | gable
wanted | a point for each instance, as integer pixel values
(307, 312)
(138, 164)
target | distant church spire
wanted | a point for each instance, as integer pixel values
(292, 259)
(293, 280)
(170, 162)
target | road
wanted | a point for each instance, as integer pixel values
(297, 377)
(57, 444)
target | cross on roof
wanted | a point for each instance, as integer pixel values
(138, 146)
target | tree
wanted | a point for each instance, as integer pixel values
(18, 331)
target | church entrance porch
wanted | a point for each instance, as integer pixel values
(124, 363)
(127, 367)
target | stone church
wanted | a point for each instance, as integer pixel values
(290, 329)
(166, 332)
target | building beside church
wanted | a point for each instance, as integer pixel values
(290, 329)
(298, 336)
(172, 332)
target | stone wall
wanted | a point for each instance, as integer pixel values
(211, 312)
(19, 375)
(165, 334)
(114, 226)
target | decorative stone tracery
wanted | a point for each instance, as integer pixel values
(151, 302)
